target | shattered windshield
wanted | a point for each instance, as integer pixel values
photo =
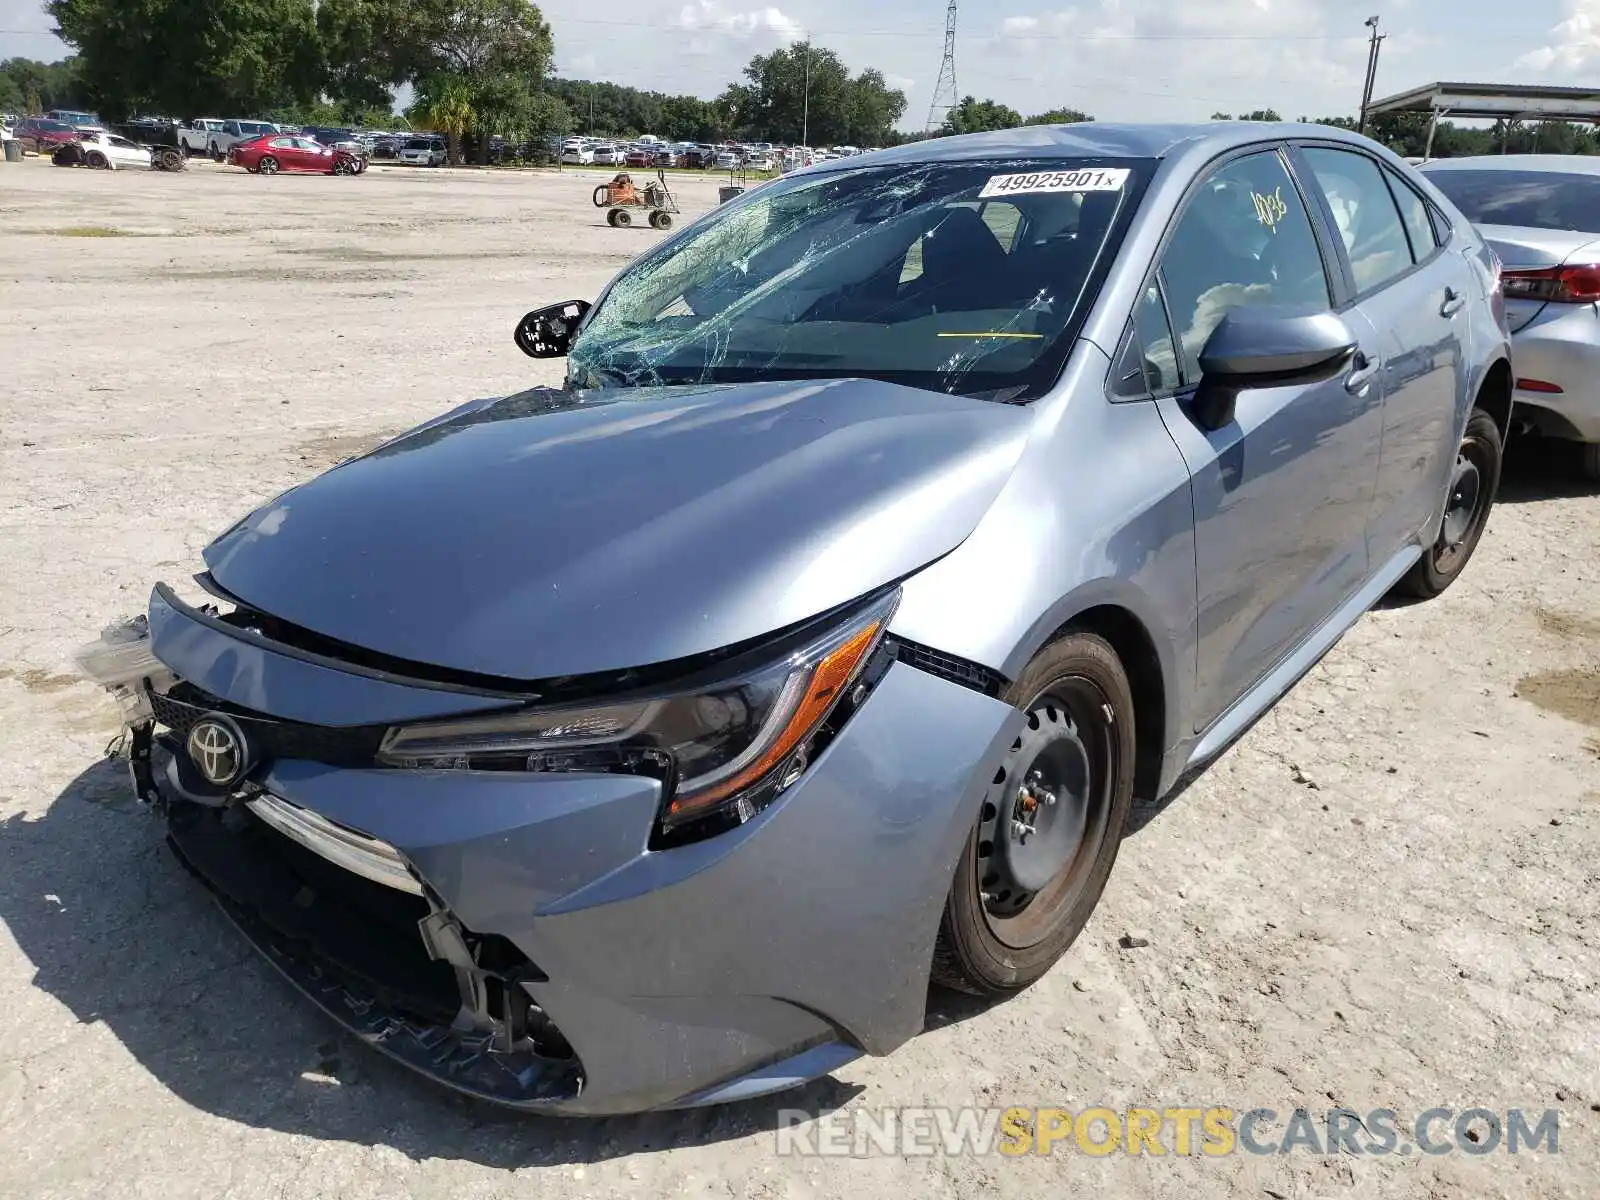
(959, 277)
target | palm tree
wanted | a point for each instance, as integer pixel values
(449, 111)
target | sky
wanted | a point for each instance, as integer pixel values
(1132, 60)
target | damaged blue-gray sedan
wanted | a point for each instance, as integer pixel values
(654, 741)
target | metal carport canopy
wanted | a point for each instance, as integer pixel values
(1512, 101)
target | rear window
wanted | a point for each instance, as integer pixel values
(1531, 199)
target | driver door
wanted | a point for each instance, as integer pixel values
(1282, 494)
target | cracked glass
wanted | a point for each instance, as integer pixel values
(905, 273)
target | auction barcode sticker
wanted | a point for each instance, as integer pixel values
(1085, 179)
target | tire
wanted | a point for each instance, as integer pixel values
(1589, 462)
(620, 217)
(267, 166)
(601, 196)
(216, 153)
(96, 160)
(1467, 505)
(1080, 737)
(660, 220)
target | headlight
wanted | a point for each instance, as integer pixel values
(731, 745)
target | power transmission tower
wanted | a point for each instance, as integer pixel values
(944, 91)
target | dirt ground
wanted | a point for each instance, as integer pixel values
(1385, 896)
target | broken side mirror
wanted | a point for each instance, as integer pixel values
(548, 332)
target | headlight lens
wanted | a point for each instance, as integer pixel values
(715, 745)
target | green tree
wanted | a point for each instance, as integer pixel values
(980, 116)
(31, 87)
(805, 92)
(446, 107)
(184, 58)
(1059, 116)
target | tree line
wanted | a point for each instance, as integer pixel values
(481, 68)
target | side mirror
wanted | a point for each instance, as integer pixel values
(547, 332)
(1256, 348)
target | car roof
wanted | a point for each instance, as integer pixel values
(1103, 139)
(1566, 164)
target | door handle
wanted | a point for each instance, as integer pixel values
(1454, 302)
(1362, 369)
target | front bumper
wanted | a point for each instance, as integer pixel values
(713, 971)
(1561, 346)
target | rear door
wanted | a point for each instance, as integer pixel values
(1415, 293)
(1282, 494)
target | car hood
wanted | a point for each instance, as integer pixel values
(555, 533)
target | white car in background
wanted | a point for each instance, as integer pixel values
(112, 152)
(728, 160)
(424, 152)
(609, 154)
(577, 154)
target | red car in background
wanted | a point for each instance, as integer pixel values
(273, 152)
(42, 135)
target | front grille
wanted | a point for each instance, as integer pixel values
(356, 949)
(269, 737)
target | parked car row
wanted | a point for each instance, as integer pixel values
(759, 157)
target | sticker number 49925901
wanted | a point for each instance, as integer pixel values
(1084, 179)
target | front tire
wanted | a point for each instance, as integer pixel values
(1474, 482)
(267, 166)
(1038, 857)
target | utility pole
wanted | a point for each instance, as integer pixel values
(944, 91)
(805, 112)
(1374, 42)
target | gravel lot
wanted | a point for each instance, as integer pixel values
(1386, 896)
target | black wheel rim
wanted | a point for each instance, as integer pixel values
(1466, 505)
(1045, 818)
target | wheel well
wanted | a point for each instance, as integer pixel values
(1137, 653)
(1494, 397)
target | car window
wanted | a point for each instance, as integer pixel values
(1244, 240)
(282, 143)
(1414, 212)
(122, 143)
(1365, 212)
(1160, 355)
(892, 272)
(1531, 199)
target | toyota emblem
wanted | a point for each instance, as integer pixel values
(217, 748)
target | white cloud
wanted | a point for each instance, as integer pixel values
(1574, 44)
(708, 15)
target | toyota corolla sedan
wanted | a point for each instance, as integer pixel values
(656, 740)
(1540, 213)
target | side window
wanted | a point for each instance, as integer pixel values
(1155, 338)
(1368, 220)
(1244, 240)
(1414, 212)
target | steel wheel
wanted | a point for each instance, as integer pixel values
(1039, 834)
(1047, 832)
(1469, 497)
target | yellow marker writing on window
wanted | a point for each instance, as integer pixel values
(1270, 209)
(1029, 336)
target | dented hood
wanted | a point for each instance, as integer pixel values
(557, 533)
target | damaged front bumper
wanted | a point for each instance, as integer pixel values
(513, 935)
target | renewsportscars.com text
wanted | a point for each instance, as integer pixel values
(1212, 1131)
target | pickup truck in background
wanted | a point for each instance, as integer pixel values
(208, 135)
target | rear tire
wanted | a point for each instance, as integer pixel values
(1474, 482)
(660, 220)
(1589, 462)
(267, 166)
(96, 160)
(1037, 859)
